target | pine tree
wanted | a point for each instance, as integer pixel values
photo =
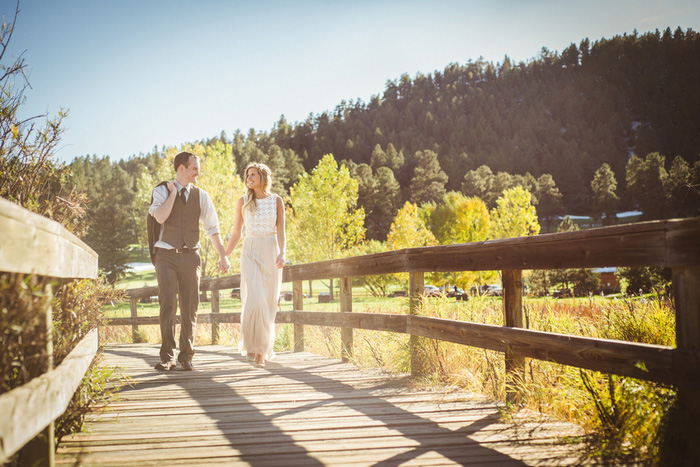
(605, 201)
(645, 184)
(428, 182)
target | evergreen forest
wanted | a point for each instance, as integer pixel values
(470, 153)
(560, 114)
(599, 128)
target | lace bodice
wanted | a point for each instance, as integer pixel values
(264, 221)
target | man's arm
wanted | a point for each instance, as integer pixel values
(163, 211)
(224, 263)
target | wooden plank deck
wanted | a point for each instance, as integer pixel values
(301, 410)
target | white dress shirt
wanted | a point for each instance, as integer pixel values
(207, 212)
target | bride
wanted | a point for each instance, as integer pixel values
(262, 259)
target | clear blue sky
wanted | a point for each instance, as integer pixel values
(139, 74)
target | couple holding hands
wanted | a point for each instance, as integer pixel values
(179, 206)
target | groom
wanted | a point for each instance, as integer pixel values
(179, 206)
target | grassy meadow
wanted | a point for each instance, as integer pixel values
(623, 415)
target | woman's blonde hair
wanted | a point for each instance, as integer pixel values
(265, 183)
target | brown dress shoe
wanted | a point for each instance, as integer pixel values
(187, 366)
(165, 366)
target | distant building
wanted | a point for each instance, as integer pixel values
(587, 222)
(608, 280)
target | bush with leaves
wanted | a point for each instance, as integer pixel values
(630, 412)
(30, 177)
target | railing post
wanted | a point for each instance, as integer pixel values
(215, 310)
(42, 450)
(134, 314)
(416, 281)
(686, 288)
(346, 306)
(513, 317)
(298, 305)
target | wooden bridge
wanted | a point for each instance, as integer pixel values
(308, 410)
(302, 410)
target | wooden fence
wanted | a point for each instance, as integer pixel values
(669, 243)
(32, 244)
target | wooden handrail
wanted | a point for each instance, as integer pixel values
(656, 363)
(28, 409)
(655, 243)
(671, 243)
(33, 244)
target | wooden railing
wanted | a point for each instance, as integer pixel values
(670, 243)
(32, 244)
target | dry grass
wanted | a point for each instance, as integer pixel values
(623, 414)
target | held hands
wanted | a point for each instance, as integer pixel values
(224, 265)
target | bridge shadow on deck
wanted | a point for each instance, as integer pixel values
(227, 421)
(255, 433)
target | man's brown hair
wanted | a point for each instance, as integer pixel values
(183, 159)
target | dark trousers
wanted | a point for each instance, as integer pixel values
(178, 275)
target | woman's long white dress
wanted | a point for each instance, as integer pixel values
(260, 279)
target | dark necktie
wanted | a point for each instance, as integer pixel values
(182, 196)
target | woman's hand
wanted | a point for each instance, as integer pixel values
(281, 260)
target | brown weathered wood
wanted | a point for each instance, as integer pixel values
(41, 449)
(219, 283)
(682, 242)
(215, 310)
(655, 243)
(346, 307)
(207, 283)
(299, 410)
(298, 305)
(686, 287)
(369, 321)
(379, 263)
(26, 410)
(282, 317)
(33, 244)
(416, 282)
(643, 361)
(143, 292)
(513, 317)
(154, 320)
(662, 243)
(639, 244)
(133, 307)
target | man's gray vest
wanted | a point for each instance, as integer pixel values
(181, 229)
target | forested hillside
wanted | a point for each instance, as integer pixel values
(594, 130)
(561, 114)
